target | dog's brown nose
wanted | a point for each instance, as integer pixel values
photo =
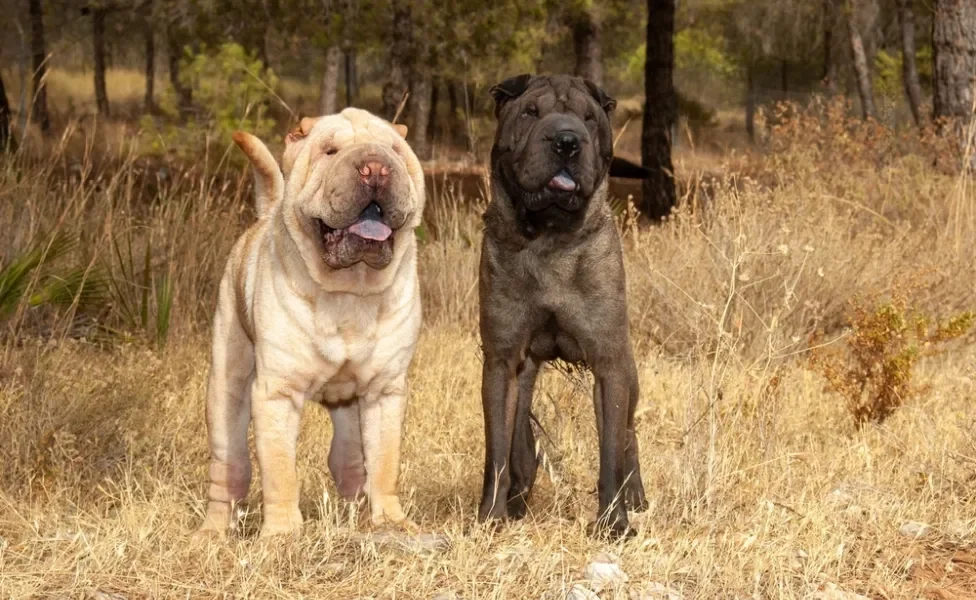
(374, 173)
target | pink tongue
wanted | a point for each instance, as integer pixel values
(371, 230)
(563, 182)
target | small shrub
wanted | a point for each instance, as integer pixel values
(231, 90)
(874, 374)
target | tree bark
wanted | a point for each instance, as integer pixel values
(784, 77)
(400, 52)
(589, 51)
(150, 55)
(39, 52)
(829, 64)
(862, 71)
(328, 98)
(913, 90)
(660, 110)
(954, 57)
(6, 136)
(184, 94)
(98, 16)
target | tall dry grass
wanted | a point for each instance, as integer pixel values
(759, 481)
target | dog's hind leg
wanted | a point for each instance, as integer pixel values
(524, 460)
(346, 461)
(228, 417)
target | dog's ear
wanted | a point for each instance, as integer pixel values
(624, 169)
(269, 184)
(511, 88)
(606, 102)
(401, 129)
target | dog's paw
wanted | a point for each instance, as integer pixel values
(207, 533)
(280, 520)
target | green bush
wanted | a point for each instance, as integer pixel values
(231, 91)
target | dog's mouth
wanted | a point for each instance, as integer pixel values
(369, 240)
(563, 182)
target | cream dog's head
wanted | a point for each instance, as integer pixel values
(350, 188)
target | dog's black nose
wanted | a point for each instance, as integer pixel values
(566, 143)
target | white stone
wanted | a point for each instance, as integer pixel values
(914, 529)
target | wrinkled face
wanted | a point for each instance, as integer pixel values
(354, 185)
(553, 144)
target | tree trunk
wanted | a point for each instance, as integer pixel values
(913, 90)
(328, 98)
(6, 136)
(784, 78)
(862, 71)
(954, 57)
(589, 52)
(420, 102)
(433, 127)
(39, 53)
(98, 53)
(751, 102)
(150, 51)
(400, 53)
(455, 124)
(829, 64)
(660, 110)
(184, 94)
(352, 77)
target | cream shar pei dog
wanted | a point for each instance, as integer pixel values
(319, 301)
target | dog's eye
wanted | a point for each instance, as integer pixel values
(590, 116)
(331, 151)
(530, 111)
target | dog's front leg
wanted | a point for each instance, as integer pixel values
(228, 417)
(277, 411)
(381, 420)
(613, 391)
(499, 398)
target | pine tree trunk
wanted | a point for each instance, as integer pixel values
(400, 54)
(6, 136)
(98, 16)
(184, 94)
(660, 110)
(913, 90)
(39, 52)
(149, 101)
(954, 45)
(862, 71)
(589, 52)
(328, 98)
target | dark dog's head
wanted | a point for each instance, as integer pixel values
(553, 145)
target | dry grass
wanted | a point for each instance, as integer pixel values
(760, 484)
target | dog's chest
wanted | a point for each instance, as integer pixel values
(346, 338)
